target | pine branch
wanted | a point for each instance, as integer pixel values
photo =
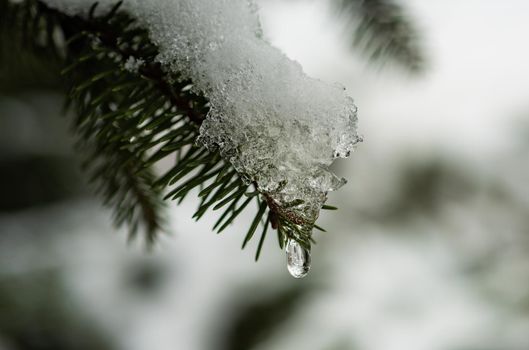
(27, 61)
(131, 113)
(383, 31)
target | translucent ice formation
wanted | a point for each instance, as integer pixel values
(278, 127)
(298, 259)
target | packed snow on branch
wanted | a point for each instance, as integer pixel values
(277, 126)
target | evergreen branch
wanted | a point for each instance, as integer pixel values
(384, 31)
(26, 61)
(131, 113)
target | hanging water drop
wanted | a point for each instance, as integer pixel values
(298, 259)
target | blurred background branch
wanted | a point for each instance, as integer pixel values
(383, 32)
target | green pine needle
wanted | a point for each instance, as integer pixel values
(255, 223)
(261, 241)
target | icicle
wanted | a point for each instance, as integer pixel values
(298, 259)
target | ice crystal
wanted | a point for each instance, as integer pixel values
(278, 127)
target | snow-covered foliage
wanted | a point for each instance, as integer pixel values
(278, 127)
(132, 64)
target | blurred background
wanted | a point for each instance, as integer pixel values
(429, 249)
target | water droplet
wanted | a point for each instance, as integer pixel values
(298, 259)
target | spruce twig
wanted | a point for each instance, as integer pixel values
(129, 118)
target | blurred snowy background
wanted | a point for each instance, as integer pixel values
(428, 251)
